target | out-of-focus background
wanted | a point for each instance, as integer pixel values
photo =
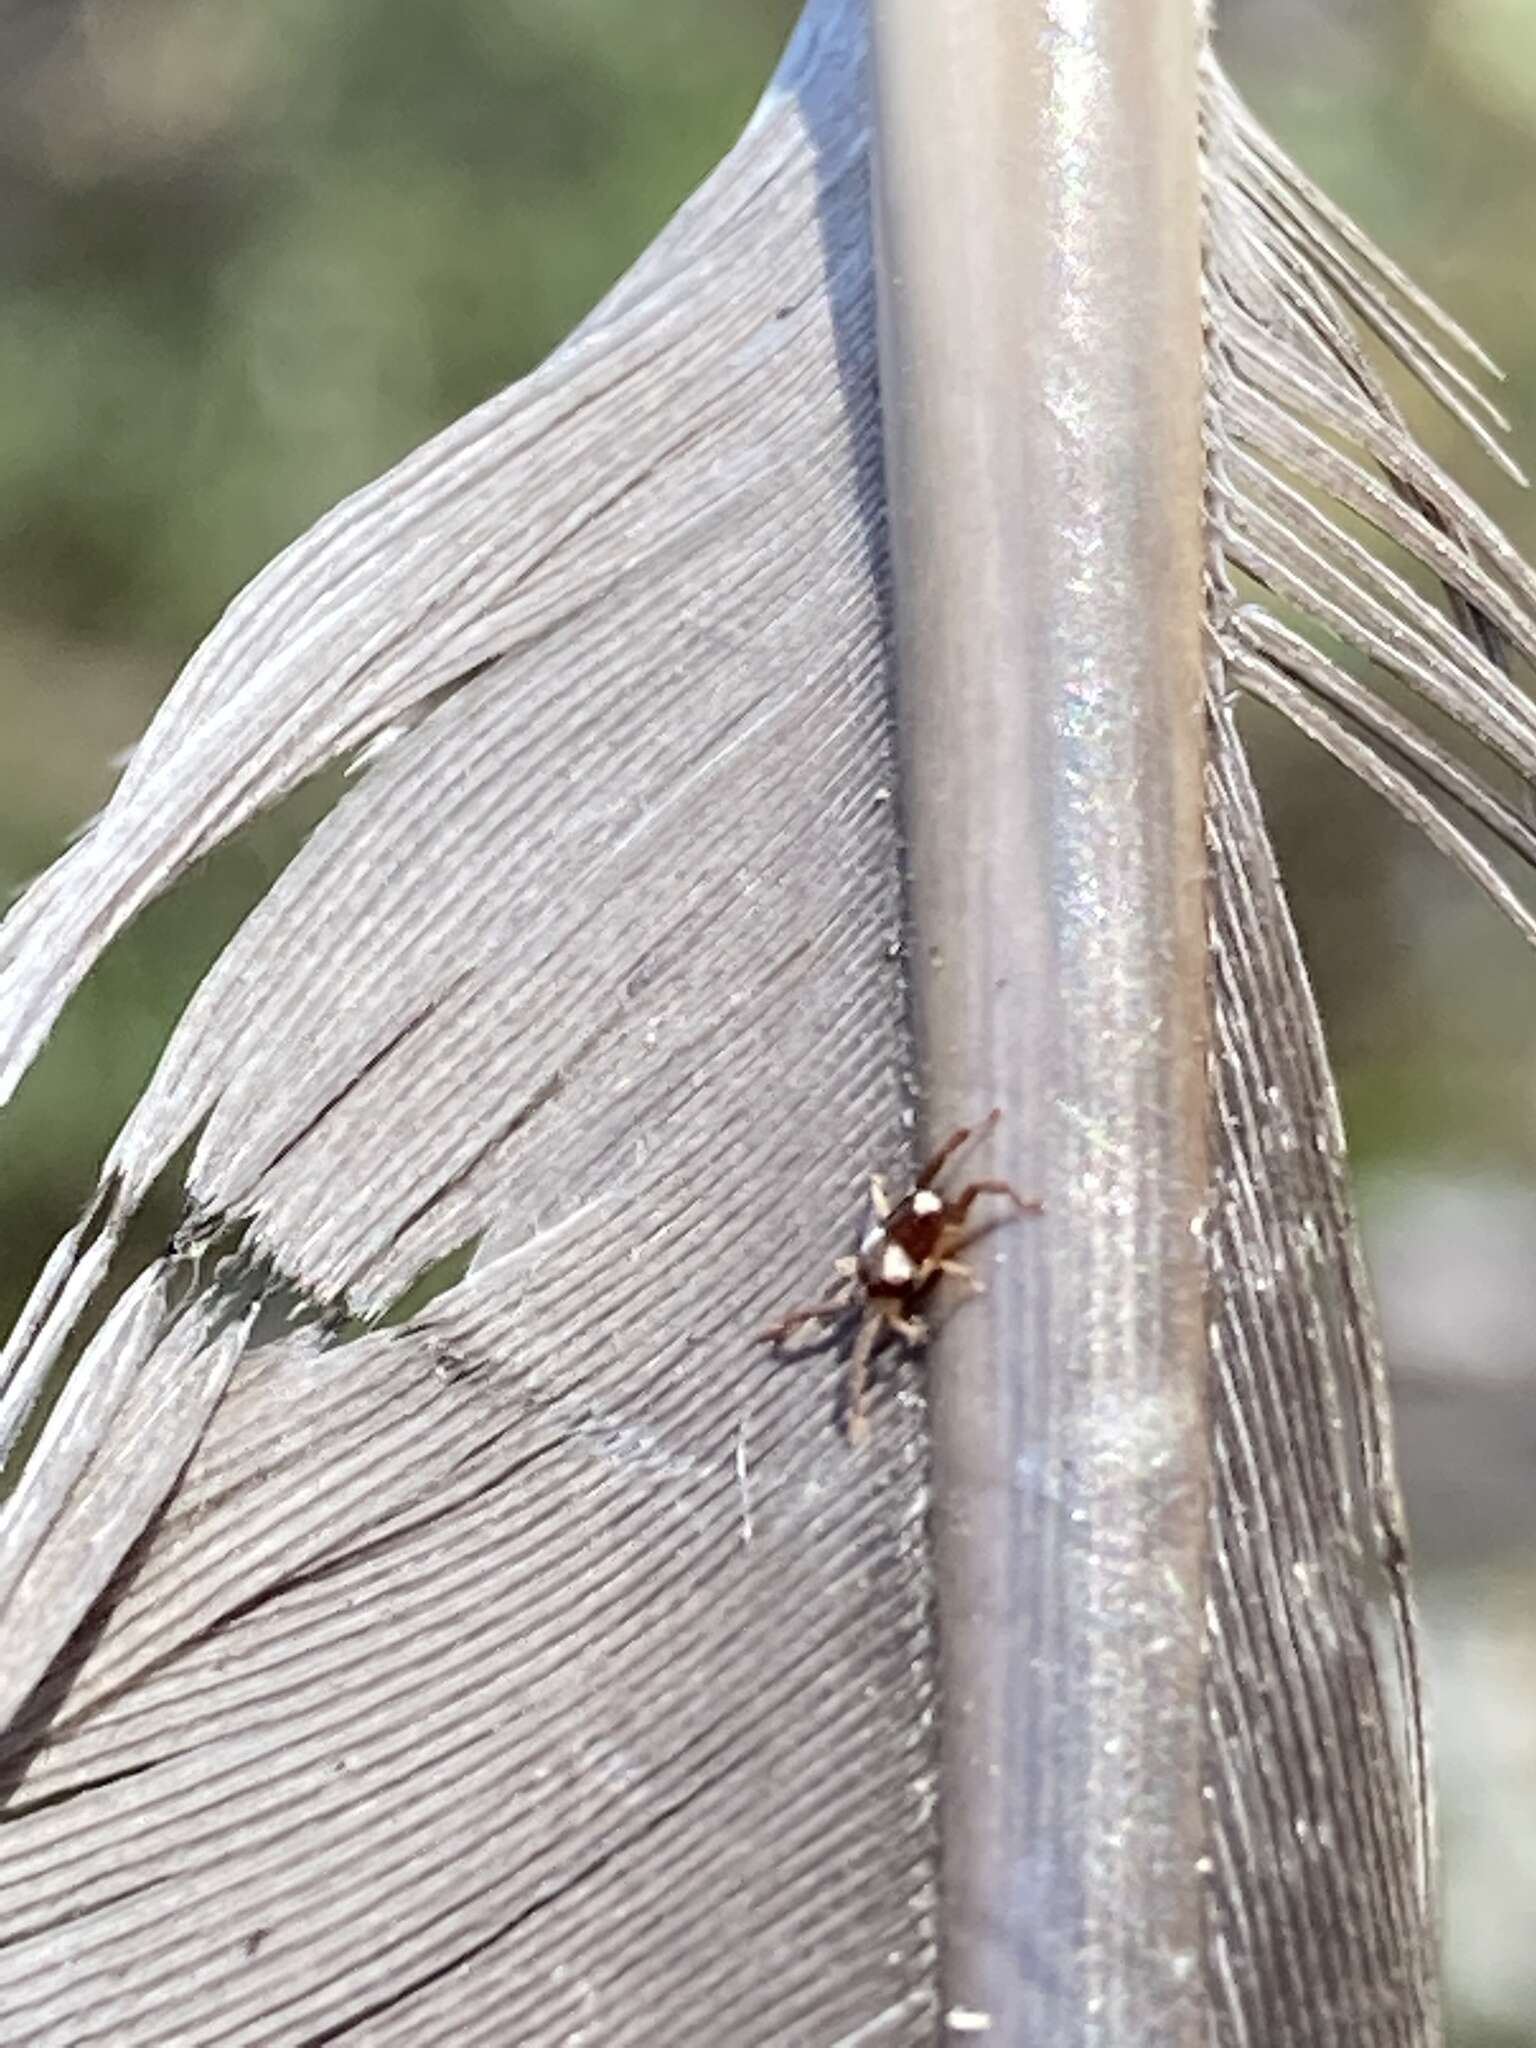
(251, 251)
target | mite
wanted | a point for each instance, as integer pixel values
(910, 1247)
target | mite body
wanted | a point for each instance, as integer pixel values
(909, 1249)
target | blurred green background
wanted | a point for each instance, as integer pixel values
(251, 251)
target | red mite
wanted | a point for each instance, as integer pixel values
(906, 1252)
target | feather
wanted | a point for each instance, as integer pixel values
(421, 1672)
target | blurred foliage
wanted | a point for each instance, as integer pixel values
(254, 250)
(258, 251)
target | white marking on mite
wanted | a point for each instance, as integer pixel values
(926, 1203)
(895, 1266)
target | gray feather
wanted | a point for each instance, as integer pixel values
(543, 1662)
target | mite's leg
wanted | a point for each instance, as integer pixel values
(956, 1240)
(951, 1145)
(932, 1168)
(879, 1198)
(826, 1311)
(858, 1377)
(959, 1270)
(960, 1207)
